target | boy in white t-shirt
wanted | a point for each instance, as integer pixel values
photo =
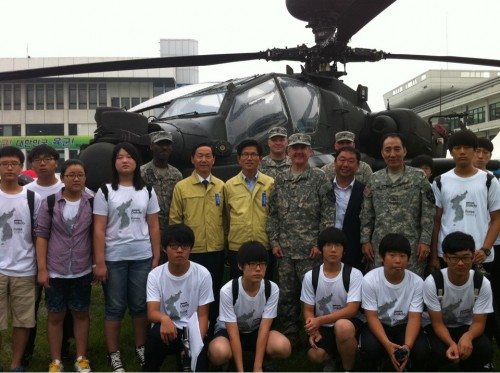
(331, 296)
(18, 210)
(248, 306)
(393, 303)
(458, 300)
(175, 291)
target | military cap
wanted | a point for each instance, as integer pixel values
(276, 131)
(344, 136)
(160, 136)
(299, 138)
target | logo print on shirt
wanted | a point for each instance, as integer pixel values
(171, 310)
(122, 213)
(6, 228)
(323, 302)
(245, 319)
(455, 205)
(383, 310)
(448, 316)
(70, 224)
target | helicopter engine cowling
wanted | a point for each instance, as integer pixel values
(417, 133)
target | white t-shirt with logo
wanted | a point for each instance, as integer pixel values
(457, 305)
(392, 302)
(127, 231)
(248, 311)
(330, 293)
(17, 250)
(180, 296)
(45, 191)
(466, 204)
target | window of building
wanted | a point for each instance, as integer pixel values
(125, 102)
(49, 96)
(59, 96)
(17, 96)
(40, 97)
(115, 101)
(158, 88)
(135, 101)
(143, 99)
(30, 97)
(7, 96)
(45, 129)
(477, 115)
(72, 129)
(72, 96)
(495, 111)
(82, 97)
(10, 130)
(92, 96)
(103, 95)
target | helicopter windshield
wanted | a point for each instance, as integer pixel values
(254, 112)
(194, 105)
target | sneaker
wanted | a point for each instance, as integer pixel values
(82, 365)
(139, 353)
(115, 361)
(329, 366)
(56, 366)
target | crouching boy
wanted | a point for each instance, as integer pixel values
(331, 296)
(393, 303)
(458, 300)
(248, 305)
(175, 291)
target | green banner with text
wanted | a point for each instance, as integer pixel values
(57, 142)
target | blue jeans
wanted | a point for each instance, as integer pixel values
(126, 286)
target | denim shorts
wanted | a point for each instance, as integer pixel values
(126, 286)
(69, 293)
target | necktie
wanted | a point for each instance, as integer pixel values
(205, 183)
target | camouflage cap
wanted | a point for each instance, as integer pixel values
(160, 136)
(344, 136)
(277, 131)
(299, 138)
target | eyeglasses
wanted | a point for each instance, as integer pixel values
(249, 155)
(175, 246)
(464, 259)
(254, 265)
(74, 176)
(40, 160)
(10, 164)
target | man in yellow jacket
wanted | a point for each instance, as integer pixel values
(246, 196)
(198, 202)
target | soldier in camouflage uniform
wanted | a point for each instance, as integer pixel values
(398, 199)
(277, 161)
(346, 138)
(161, 175)
(301, 205)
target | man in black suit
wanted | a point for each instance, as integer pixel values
(349, 198)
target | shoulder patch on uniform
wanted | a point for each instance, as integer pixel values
(367, 192)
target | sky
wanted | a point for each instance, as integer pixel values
(125, 28)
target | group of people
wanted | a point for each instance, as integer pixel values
(350, 249)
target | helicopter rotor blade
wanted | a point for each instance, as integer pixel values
(133, 64)
(453, 59)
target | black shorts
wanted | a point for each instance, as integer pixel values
(248, 340)
(328, 342)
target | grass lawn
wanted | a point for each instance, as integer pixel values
(97, 348)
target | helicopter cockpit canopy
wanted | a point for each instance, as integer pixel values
(194, 106)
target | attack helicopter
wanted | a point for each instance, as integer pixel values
(314, 100)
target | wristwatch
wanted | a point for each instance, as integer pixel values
(486, 251)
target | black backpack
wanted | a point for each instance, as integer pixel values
(489, 177)
(235, 286)
(346, 277)
(30, 195)
(51, 201)
(439, 281)
(105, 191)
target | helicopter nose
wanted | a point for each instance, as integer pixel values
(178, 143)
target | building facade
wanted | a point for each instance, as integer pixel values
(444, 92)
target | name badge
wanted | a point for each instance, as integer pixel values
(264, 199)
(217, 199)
